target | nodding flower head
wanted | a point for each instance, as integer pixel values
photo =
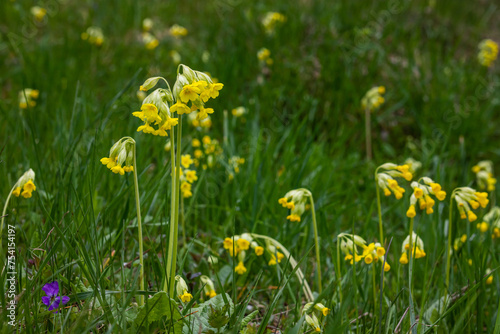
(371, 253)
(27, 98)
(413, 165)
(484, 175)
(38, 13)
(121, 156)
(295, 201)
(182, 290)
(264, 56)
(25, 185)
(178, 31)
(209, 287)
(149, 41)
(276, 255)
(422, 194)
(373, 99)
(271, 21)
(469, 199)
(492, 218)
(488, 52)
(417, 251)
(386, 178)
(147, 24)
(94, 36)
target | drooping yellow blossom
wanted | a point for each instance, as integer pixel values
(295, 201)
(417, 251)
(25, 185)
(186, 189)
(27, 98)
(373, 99)
(372, 253)
(240, 268)
(182, 290)
(413, 164)
(121, 156)
(152, 116)
(483, 227)
(239, 111)
(421, 193)
(178, 31)
(385, 179)
(488, 52)
(492, 218)
(484, 175)
(489, 276)
(271, 21)
(38, 13)
(467, 198)
(264, 56)
(209, 287)
(94, 36)
(149, 41)
(147, 24)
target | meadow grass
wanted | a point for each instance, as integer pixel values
(304, 129)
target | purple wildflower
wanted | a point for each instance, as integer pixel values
(52, 300)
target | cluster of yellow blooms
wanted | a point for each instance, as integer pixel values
(484, 175)
(372, 252)
(94, 36)
(121, 156)
(466, 198)
(182, 290)
(272, 20)
(148, 39)
(421, 193)
(313, 313)
(187, 176)
(459, 242)
(492, 219)
(296, 201)
(27, 98)
(373, 99)
(239, 111)
(147, 24)
(488, 52)
(206, 151)
(205, 123)
(38, 13)
(417, 251)
(234, 163)
(264, 56)
(25, 185)
(386, 181)
(208, 286)
(178, 31)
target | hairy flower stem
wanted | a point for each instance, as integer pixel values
(448, 251)
(411, 251)
(168, 281)
(339, 278)
(379, 209)
(316, 241)
(183, 224)
(139, 229)
(368, 134)
(3, 219)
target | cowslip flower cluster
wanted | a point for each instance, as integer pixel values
(208, 286)
(147, 24)
(239, 111)
(467, 198)
(182, 290)
(488, 52)
(413, 164)
(206, 151)
(492, 218)
(371, 253)
(121, 156)
(234, 163)
(484, 175)
(421, 193)
(38, 13)
(271, 21)
(313, 313)
(52, 299)
(238, 245)
(93, 35)
(178, 31)
(386, 179)
(25, 185)
(188, 176)
(373, 99)
(295, 201)
(149, 41)
(27, 98)
(203, 124)
(264, 56)
(489, 275)
(459, 242)
(417, 251)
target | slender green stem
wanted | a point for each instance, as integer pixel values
(169, 282)
(182, 221)
(448, 251)
(339, 278)
(374, 279)
(139, 229)
(379, 209)
(176, 206)
(3, 218)
(368, 134)
(316, 240)
(411, 251)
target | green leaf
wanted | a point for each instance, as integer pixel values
(157, 307)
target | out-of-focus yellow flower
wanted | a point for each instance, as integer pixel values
(373, 99)
(239, 111)
(483, 227)
(208, 287)
(25, 185)
(38, 13)
(264, 56)
(176, 57)
(492, 218)
(150, 42)
(27, 98)
(93, 35)
(489, 280)
(484, 175)
(488, 52)
(271, 21)
(178, 31)
(147, 24)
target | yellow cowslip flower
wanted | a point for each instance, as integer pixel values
(295, 200)
(488, 52)
(186, 189)
(178, 31)
(413, 164)
(27, 98)
(38, 13)
(484, 175)
(264, 56)
(271, 21)
(466, 197)
(489, 280)
(180, 108)
(208, 286)
(182, 290)
(203, 113)
(195, 142)
(492, 218)
(240, 268)
(149, 41)
(421, 193)
(372, 252)
(94, 36)
(239, 111)
(259, 250)
(373, 99)
(121, 156)
(417, 251)
(186, 160)
(151, 115)
(385, 179)
(483, 227)
(191, 176)
(459, 242)
(235, 162)
(25, 185)
(147, 24)
(243, 244)
(276, 256)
